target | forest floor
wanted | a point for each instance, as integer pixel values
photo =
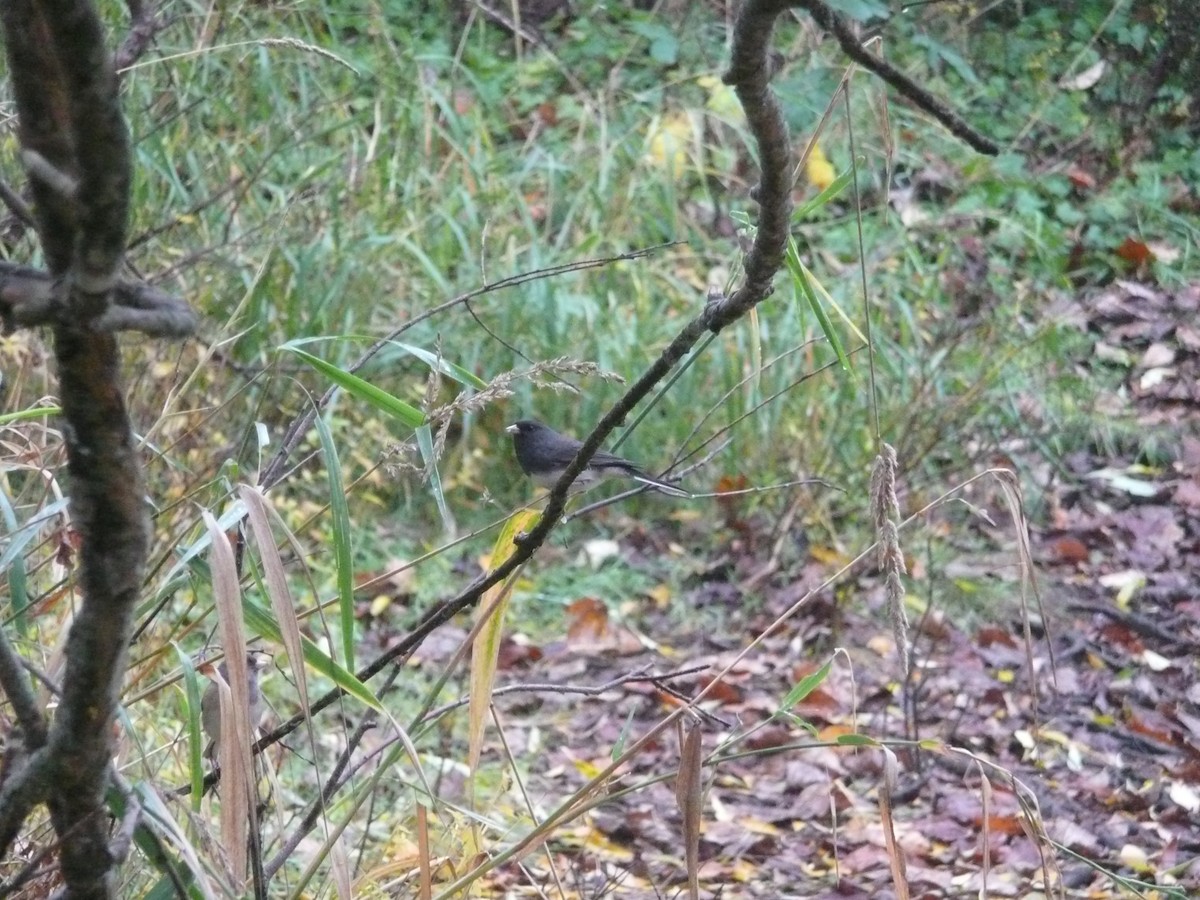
(1084, 777)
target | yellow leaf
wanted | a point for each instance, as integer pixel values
(829, 556)
(661, 595)
(722, 99)
(882, 645)
(587, 768)
(600, 843)
(758, 826)
(1135, 858)
(745, 871)
(819, 169)
(667, 146)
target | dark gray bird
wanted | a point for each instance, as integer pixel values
(210, 703)
(544, 455)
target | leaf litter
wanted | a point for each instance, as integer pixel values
(1088, 790)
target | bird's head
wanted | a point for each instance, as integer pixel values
(525, 426)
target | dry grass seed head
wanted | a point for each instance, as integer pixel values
(885, 510)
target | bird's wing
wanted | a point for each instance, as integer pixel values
(604, 460)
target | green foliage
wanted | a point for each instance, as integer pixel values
(324, 171)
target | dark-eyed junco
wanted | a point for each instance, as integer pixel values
(544, 455)
(210, 703)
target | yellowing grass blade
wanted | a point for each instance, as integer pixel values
(486, 648)
(689, 796)
(275, 580)
(894, 852)
(233, 752)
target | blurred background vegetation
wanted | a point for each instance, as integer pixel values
(332, 169)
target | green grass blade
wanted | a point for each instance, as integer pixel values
(435, 362)
(12, 561)
(429, 456)
(805, 686)
(342, 549)
(800, 278)
(191, 686)
(449, 369)
(38, 412)
(363, 390)
(804, 210)
(261, 621)
(158, 830)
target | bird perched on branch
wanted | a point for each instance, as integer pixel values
(544, 455)
(210, 703)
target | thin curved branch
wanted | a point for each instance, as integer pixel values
(19, 690)
(25, 786)
(853, 48)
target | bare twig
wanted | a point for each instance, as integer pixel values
(643, 488)
(17, 206)
(19, 691)
(639, 676)
(754, 409)
(25, 785)
(831, 21)
(144, 26)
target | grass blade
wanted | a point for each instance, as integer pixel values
(429, 457)
(191, 686)
(801, 278)
(363, 390)
(486, 649)
(342, 550)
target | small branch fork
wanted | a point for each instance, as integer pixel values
(853, 48)
(81, 200)
(30, 297)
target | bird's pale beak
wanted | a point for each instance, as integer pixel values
(512, 429)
